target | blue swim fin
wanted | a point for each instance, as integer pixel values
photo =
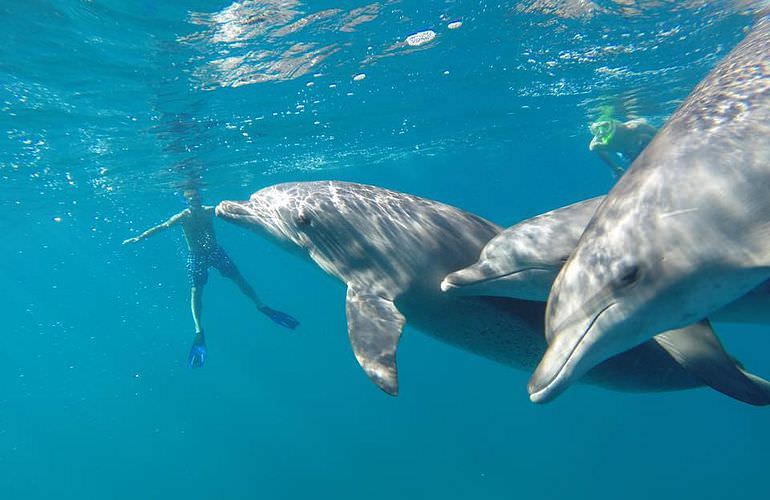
(197, 356)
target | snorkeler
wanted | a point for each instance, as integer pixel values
(197, 222)
(615, 141)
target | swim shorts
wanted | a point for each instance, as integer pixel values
(199, 263)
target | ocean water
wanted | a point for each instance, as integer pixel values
(110, 109)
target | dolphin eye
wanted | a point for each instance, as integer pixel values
(302, 220)
(629, 275)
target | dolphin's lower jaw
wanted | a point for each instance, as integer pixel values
(232, 210)
(551, 377)
(563, 363)
(455, 288)
(240, 213)
(459, 281)
(448, 286)
(468, 280)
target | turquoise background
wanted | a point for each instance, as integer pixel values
(109, 109)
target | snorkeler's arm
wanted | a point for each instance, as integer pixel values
(160, 227)
(612, 160)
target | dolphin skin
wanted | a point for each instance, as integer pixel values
(523, 261)
(392, 250)
(683, 233)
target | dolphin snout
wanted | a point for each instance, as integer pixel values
(457, 280)
(550, 377)
(233, 209)
(572, 351)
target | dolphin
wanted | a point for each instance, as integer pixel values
(522, 263)
(392, 250)
(683, 233)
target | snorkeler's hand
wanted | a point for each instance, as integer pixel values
(131, 240)
(279, 317)
(197, 356)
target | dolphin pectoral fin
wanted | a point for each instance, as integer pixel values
(761, 384)
(698, 349)
(374, 328)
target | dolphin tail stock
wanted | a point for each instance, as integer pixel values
(697, 348)
(374, 329)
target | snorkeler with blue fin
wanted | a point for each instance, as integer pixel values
(197, 222)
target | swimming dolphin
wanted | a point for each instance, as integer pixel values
(523, 260)
(522, 263)
(392, 250)
(683, 233)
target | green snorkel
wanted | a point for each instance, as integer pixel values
(603, 131)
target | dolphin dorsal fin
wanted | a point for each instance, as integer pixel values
(697, 348)
(374, 328)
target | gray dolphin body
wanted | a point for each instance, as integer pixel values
(392, 250)
(683, 233)
(523, 261)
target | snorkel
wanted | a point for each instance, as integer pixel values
(603, 132)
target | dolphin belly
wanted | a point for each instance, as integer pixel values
(511, 332)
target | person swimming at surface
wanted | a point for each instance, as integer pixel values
(197, 222)
(619, 143)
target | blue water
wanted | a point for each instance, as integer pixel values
(110, 109)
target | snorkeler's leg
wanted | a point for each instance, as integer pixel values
(198, 276)
(226, 266)
(197, 273)
(244, 286)
(611, 160)
(279, 317)
(197, 356)
(196, 306)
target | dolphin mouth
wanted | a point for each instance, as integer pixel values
(240, 213)
(547, 383)
(456, 281)
(232, 210)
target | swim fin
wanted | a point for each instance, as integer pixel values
(197, 356)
